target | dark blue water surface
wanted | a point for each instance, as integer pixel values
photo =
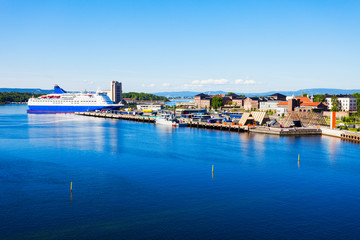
(141, 181)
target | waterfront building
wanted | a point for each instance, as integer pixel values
(236, 100)
(293, 103)
(116, 91)
(303, 99)
(278, 97)
(269, 105)
(301, 104)
(251, 103)
(217, 95)
(202, 100)
(239, 102)
(311, 107)
(346, 102)
(282, 108)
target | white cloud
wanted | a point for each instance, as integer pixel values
(215, 83)
(191, 86)
(143, 85)
(244, 82)
(166, 84)
(247, 82)
(152, 85)
(211, 81)
(239, 81)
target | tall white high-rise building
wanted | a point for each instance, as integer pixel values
(116, 91)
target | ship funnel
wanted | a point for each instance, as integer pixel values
(58, 90)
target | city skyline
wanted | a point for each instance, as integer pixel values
(180, 46)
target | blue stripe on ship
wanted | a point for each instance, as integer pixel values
(65, 109)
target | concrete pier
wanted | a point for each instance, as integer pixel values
(118, 116)
(215, 126)
(350, 136)
(287, 131)
(218, 126)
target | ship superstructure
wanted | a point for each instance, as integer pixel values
(63, 102)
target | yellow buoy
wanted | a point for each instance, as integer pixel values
(71, 187)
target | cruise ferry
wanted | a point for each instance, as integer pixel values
(63, 102)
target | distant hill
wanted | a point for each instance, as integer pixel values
(310, 91)
(287, 93)
(26, 90)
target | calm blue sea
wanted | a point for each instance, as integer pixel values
(174, 101)
(141, 181)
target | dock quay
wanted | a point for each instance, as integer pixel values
(287, 131)
(218, 126)
(350, 136)
(214, 126)
(118, 116)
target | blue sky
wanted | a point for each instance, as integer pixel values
(152, 46)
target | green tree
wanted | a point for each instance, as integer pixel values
(216, 102)
(357, 95)
(229, 93)
(334, 103)
(144, 96)
(8, 97)
(319, 98)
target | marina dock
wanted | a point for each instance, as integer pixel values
(218, 126)
(349, 136)
(214, 126)
(118, 116)
(287, 131)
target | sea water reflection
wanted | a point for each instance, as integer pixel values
(141, 181)
(72, 131)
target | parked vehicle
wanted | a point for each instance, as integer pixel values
(214, 120)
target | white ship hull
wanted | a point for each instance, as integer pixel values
(63, 102)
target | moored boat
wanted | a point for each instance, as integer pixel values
(169, 119)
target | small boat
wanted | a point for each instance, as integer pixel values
(169, 119)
